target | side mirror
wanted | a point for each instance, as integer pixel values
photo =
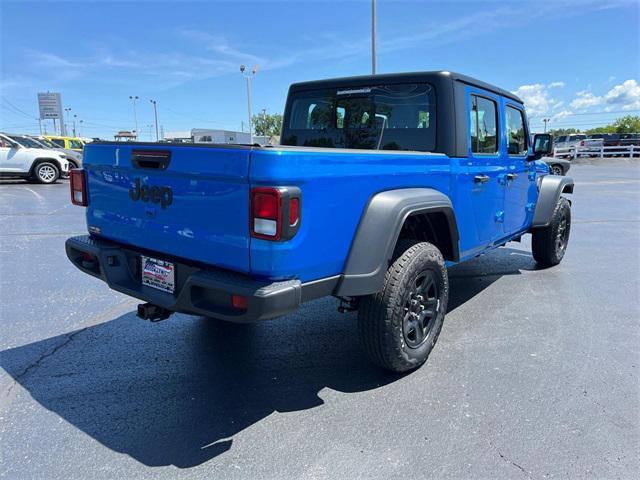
(542, 145)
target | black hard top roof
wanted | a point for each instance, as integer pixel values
(399, 77)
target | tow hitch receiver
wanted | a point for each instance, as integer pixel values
(149, 311)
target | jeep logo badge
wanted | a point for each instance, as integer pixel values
(161, 195)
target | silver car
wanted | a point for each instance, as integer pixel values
(74, 157)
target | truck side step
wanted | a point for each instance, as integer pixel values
(149, 311)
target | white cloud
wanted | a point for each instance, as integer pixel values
(562, 114)
(585, 99)
(538, 99)
(625, 95)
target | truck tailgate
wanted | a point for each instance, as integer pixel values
(187, 201)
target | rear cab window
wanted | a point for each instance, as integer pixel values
(383, 117)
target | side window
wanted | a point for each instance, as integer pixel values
(58, 142)
(483, 125)
(516, 137)
(77, 144)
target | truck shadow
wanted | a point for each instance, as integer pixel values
(177, 392)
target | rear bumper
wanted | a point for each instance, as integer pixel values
(199, 290)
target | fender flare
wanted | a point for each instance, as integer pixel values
(40, 160)
(549, 191)
(375, 239)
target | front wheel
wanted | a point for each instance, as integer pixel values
(399, 325)
(549, 244)
(46, 172)
(556, 169)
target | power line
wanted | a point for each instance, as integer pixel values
(602, 112)
(16, 110)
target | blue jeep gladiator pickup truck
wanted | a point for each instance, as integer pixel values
(380, 184)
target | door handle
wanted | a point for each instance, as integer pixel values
(481, 179)
(511, 176)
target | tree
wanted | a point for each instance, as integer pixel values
(563, 131)
(628, 124)
(267, 125)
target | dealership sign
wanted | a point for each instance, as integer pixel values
(50, 105)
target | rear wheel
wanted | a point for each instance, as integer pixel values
(46, 172)
(549, 244)
(399, 325)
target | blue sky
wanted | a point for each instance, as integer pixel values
(576, 62)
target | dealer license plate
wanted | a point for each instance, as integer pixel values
(158, 274)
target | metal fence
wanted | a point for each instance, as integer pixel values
(615, 151)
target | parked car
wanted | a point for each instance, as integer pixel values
(557, 166)
(70, 143)
(568, 141)
(37, 164)
(380, 184)
(74, 158)
(627, 139)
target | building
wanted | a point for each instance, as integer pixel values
(205, 135)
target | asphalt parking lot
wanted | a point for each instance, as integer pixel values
(535, 374)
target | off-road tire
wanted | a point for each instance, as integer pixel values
(46, 172)
(382, 317)
(549, 244)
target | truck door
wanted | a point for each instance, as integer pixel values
(486, 169)
(518, 183)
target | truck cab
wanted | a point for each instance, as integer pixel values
(380, 184)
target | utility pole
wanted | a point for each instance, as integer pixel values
(373, 37)
(133, 98)
(155, 113)
(40, 125)
(546, 120)
(65, 122)
(248, 77)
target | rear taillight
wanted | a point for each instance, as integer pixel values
(78, 187)
(275, 212)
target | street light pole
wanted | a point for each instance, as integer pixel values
(65, 123)
(80, 127)
(248, 77)
(546, 120)
(135, 115)
(155, 113)
(74, 124)
(373, 37)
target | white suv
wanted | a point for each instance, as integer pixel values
(43, 166)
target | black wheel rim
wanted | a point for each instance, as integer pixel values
(421, 309)
(562, 235)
